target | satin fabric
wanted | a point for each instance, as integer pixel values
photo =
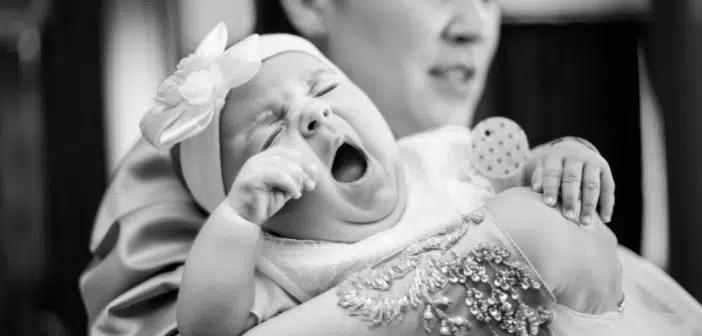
(143, 231)
(147, 223)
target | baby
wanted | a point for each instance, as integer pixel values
(274, 138)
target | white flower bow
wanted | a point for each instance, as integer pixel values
(187, 101)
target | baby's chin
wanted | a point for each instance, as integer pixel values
(372, 197)
(330, 214)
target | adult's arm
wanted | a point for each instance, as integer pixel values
(143, 232)
(537, 11)
(560, 250)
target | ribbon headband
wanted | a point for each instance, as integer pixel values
(188, 103)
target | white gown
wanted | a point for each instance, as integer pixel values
(654, 304)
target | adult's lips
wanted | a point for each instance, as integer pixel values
(457, 74)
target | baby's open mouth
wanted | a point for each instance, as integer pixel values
(349, 164)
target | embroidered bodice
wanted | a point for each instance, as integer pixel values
(502, 292)
(418, 267)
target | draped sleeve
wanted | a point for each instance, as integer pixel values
(143, 231)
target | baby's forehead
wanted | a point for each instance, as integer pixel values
(281, 83)
(279, 78)
(289, 68)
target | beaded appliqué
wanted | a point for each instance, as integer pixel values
(494, 287)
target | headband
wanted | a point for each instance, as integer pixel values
(188, 103)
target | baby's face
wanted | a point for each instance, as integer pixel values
(298, 102)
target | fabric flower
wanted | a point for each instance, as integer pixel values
(199, 87)
(168, 92)
(189, 99)
(191, 64)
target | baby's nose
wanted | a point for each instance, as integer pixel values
(313, 116)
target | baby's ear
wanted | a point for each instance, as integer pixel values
(308, 16)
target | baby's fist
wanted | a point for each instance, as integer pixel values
(268, 180)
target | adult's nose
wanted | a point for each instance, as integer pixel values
(467, 23)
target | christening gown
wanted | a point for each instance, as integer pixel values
(141, 241)
(503, 293)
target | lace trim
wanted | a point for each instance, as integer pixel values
(494, 287)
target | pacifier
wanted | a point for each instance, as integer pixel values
(499, 151)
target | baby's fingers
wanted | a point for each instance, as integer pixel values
(537, 182)
(307, 170)
(297, 172)
(570, 187)
(607, 195)
(591, 192)
(283, 181)
(553, 169)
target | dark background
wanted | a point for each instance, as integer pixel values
(569, 79)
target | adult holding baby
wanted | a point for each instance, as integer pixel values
(320, 192)
(433, 58)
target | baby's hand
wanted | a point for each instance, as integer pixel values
(583, 176)
(268, 180)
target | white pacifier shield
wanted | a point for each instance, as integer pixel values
(500, 148)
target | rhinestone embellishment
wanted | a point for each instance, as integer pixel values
(494, 287)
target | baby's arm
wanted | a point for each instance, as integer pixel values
(217, 291)
(216, 294)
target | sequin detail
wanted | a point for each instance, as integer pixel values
(494, 287)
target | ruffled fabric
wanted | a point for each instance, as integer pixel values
(655, 305)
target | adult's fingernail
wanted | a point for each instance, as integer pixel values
(607, 219)
(586, 219)
(298, 195)
(550, 200)
(536, 186)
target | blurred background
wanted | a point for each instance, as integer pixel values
(76, 76)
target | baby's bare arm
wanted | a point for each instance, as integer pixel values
(217, 293)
